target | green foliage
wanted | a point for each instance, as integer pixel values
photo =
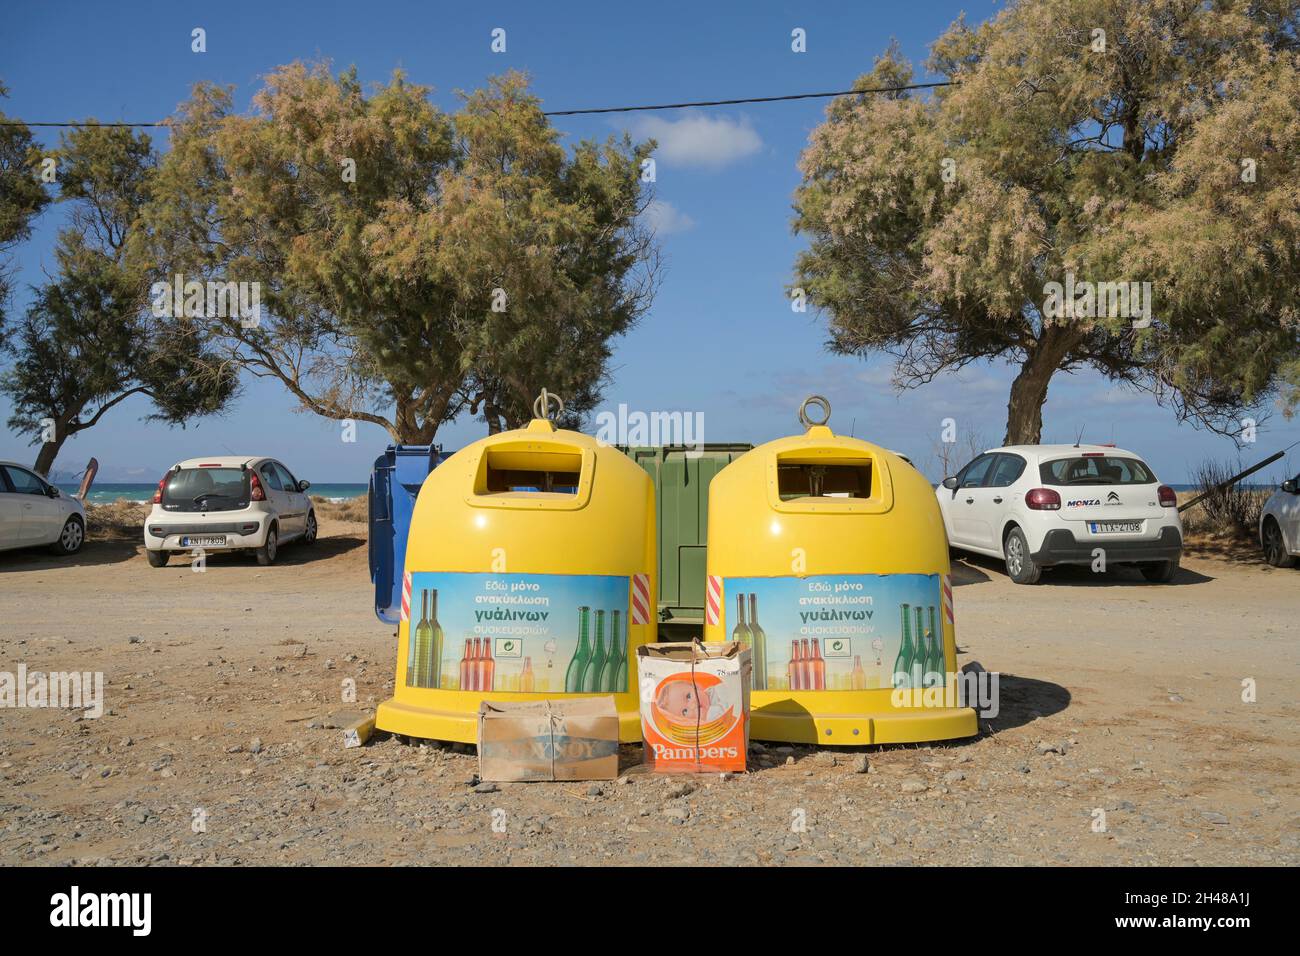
(1117, 165)
(88, 340)
(22, 197)
(378, 289)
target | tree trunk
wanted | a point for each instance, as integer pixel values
(1029, 390)
(49, 451)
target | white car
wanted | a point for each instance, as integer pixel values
(1279, 525)
(228, 503)
(33, 512)
(1036, 506)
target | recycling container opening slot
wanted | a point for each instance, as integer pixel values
(533, 471)
(819, 478)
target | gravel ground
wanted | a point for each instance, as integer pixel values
(1121, 705)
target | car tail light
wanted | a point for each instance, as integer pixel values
(257, 493)
(162, 483)
(1042, 499)
(1168, 499)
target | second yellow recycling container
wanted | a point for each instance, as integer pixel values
(530, 574)
(827, 555)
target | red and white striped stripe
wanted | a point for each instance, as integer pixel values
(406, 596)
(713, 599)
(945, 582)
(640, 599)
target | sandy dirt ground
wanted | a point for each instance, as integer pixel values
(1121, 703)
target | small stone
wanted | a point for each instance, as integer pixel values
(256, 746)
(913, 785)
(861, 764)
(680, 789)
(1175, 698)
(677, 813)
(486, 787)
(1215, 817)
(954, 776)
(594, 790)
(789, 761)
(1047, 748)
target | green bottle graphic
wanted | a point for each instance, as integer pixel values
(917, 671)
(758, 643)
(596, 666)
(613, 659)
(934, 662)
(573, 676)
(741, 631)
(435, 649)
(423, 644)
(903, 663)
(620, 676)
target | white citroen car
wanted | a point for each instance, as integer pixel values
(33, 512)
(1279, 525)
(228, 503)
(1036, 506)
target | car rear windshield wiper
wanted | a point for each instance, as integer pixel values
(210, 494)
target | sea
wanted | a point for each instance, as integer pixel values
(106, 492)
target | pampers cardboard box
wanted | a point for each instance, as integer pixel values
(695, 706)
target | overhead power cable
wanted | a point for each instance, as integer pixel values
(603, 109)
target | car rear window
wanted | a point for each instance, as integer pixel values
(1095, 470)
(206, 489)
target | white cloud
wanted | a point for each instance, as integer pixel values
(699, 140)
(664, 218)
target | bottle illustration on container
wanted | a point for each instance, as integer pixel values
(411, 628)
(435, 642)
(758, 646)
(423, 644)
(526, 679)
(903, 663)
(573, 676)
(464, 668)
(794, 670)
(917, 671)
(934, 664)
(858, 677)
(620, 675)
(741, 631)
(818, 665)
(614, 659)
(805, 665)
(596, 666)
(487, 667)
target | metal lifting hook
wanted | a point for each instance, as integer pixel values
(542, 406)
(805, 419)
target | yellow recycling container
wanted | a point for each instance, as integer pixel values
(530, 574)
(827, 556)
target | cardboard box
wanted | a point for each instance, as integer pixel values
(548, 740)
(695, 706)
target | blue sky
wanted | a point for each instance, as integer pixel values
(721, 338)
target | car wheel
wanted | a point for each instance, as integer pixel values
(157, 559)
(1160, 572)
(309, 535)
(71, 538)
(266, 553)
(1275, 546)
(1021, 567)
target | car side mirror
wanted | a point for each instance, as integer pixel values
(304, 485)
(52, 491)
(1289, 486)
(950, 484)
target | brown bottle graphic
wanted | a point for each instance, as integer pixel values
(464, 668)
(487, 667)
(818, 666)
(526, 679)
(795, 668)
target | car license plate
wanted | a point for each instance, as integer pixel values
(204, 541)
(1115, 527)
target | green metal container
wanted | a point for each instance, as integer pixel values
(681, 476)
